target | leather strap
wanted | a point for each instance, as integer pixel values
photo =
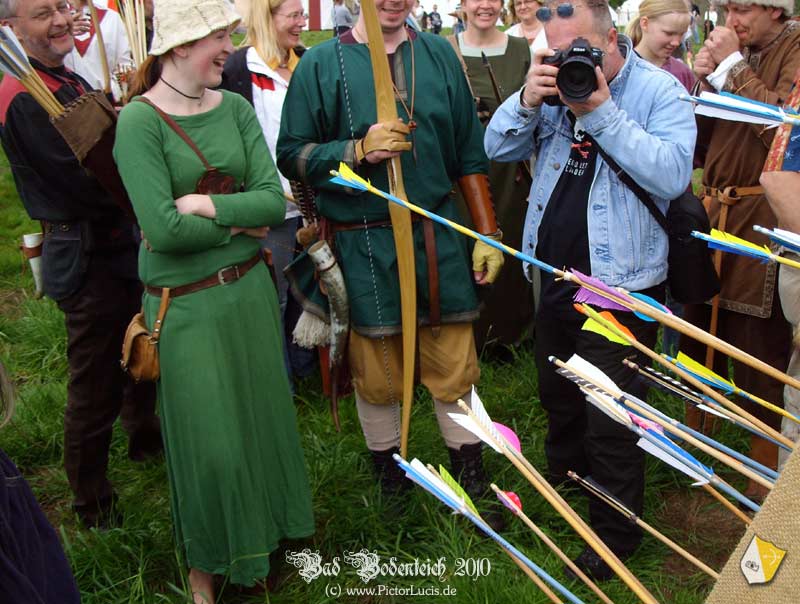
(628, 181)
(223, 276)
(454, 43)
(729, 196)
(335, 227)
(178, 130)
(31, 252)
(162, 310)
(433, 277)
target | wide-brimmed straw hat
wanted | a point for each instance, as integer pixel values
(177, 22)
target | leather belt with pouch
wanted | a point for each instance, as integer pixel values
(140, 346)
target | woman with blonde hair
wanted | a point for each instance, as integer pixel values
(260, 71)
(204, 189)
(526, 25)
(657, 31)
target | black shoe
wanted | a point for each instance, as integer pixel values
(467, 468)
(145, 444)
(593, 565)
(103, 515)
(393, 480)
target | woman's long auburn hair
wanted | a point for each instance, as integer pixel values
(145, 77)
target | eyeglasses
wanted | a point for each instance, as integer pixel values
(46, 14)
(295, 16)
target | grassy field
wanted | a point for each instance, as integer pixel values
(139, 564)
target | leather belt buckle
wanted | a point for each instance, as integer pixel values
(224, 279)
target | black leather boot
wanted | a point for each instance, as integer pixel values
(466, 466)
(393, 479)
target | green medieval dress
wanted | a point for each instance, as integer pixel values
(507, 311)
(237, 476)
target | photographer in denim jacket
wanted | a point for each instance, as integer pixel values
(581, 216)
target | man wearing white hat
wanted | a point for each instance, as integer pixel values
(755, 54)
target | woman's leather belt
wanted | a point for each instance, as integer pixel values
(223, 276)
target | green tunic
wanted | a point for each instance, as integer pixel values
(500, 321)
(237, 476)
(327, 111)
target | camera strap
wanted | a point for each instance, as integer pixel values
(628, 181)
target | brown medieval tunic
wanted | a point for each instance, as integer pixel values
(735, 157)
(750, 317)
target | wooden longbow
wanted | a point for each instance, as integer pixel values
(400, 217)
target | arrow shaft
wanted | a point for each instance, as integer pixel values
(722, 456)
(554, 548)
(576, 522)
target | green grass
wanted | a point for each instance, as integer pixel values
(138, 563)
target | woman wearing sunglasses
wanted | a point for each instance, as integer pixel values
(508, 59)
(526, 25)
(657, 31)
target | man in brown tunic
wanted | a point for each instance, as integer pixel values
(754, 55)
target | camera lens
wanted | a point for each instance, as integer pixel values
(576, 78)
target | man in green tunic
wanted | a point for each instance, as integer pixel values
(331, 117)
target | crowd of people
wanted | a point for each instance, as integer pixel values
(213, 144)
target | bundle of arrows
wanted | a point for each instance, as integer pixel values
(133, 17)
(651, 426)
(503, 440)
(14, 62)
(720, 240)
(447, 490)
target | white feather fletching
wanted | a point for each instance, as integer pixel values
(482, 416)
(608, 405)
(672, 461)
(433, 478)
(466, 422)
(581, 365)
(713, 411)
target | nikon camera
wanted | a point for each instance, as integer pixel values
(576, 78)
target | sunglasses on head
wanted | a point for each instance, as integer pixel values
(564, 10)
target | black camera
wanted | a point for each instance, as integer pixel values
(576, 78)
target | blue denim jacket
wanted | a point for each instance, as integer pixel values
(646, 130)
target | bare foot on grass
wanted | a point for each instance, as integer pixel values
(202, 585)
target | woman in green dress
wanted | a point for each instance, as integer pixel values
(507, 315)
(237, 476)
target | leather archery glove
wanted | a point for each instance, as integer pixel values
(390, 136)
(486, 260)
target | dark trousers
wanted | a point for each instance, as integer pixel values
(582, 438)
(96, 317)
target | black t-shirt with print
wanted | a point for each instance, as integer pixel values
(563, 233)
